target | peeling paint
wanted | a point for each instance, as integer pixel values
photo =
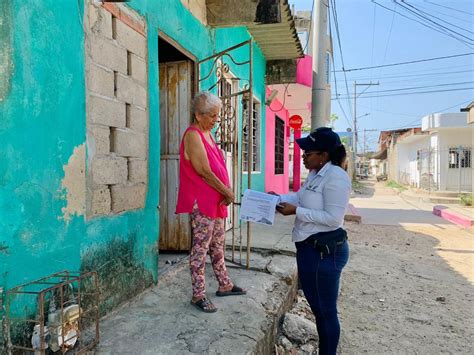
(74, 184)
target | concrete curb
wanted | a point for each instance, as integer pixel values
(452, 216)
(352, 215)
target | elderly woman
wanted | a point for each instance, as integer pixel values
(322, 250)
(204, 193)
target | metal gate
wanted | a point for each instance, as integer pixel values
(237, 97)
(446, 169)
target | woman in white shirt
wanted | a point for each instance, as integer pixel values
(322, 250)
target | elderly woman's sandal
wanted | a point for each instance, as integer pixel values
(204, 305)
(235, 291)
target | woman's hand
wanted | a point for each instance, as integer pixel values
(229, 197)
(286, 208)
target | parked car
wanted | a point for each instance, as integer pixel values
(381, 177)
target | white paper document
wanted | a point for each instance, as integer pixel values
(258, 207)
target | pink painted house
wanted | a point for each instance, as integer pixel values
(277, 147)
(297, 100)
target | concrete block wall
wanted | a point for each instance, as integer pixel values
(197, 8)
(117, 110)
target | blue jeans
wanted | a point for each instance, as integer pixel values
(319, 277)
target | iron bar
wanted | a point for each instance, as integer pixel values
(67, 280)
(228, 135)
(250, 143)
(218, 54)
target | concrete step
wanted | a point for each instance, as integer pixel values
(412, 196)
(438, 193)
(445, 200)
(161, 320)
(452, 216)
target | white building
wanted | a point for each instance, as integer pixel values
(409, 171)
(440, 156)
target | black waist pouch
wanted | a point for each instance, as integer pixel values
(327, 242)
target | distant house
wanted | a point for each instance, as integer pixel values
(470, 112)
(388, 154)
(447, 157)
(435, 156)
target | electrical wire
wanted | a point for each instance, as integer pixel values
(444, 14)
(418, 87)
(447, 7)
(438, 18)
(424, 24)
(310, 26)
(415, 75)
(284, 100)
(414, 93)
(402, 5)
(412, 123)
(338, 36)
(373, 38)
(334, 73)
(409, 62)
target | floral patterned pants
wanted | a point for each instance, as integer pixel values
(208, 235)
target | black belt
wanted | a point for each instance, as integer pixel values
(327, 242)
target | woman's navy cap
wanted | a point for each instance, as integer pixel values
(323, 139)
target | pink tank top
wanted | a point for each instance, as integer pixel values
(192, 187)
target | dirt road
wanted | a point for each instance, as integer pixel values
(408, 287)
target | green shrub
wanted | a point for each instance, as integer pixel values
(395, 185)
(466, 199)
(356, 185)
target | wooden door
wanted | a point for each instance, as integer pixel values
(175, 118)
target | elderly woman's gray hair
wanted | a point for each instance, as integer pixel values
(204, 102)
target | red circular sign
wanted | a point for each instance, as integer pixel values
(296, 121)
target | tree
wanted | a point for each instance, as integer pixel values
(333, 119)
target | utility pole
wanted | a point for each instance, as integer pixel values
(355, 133)
(320, 98)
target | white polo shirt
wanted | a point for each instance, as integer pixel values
(321, 202)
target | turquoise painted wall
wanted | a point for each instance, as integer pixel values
(43, 121)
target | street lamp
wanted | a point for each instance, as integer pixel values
(363, 115)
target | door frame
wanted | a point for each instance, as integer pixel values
(192, 59)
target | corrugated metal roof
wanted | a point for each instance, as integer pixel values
(279, 40)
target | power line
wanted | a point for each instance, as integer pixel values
(409, 62)
(388, 38)
(430, 20)
(438, 18)
(447, 7)
(419, 118)
(419, 87)
(310, 25)
(423, 24)
(415, 75)
(334, 74)
(338, 36)
(444, 14)
(373, 38)
(438, 27)
(414, 93)
(420, 70)
(424, 81)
